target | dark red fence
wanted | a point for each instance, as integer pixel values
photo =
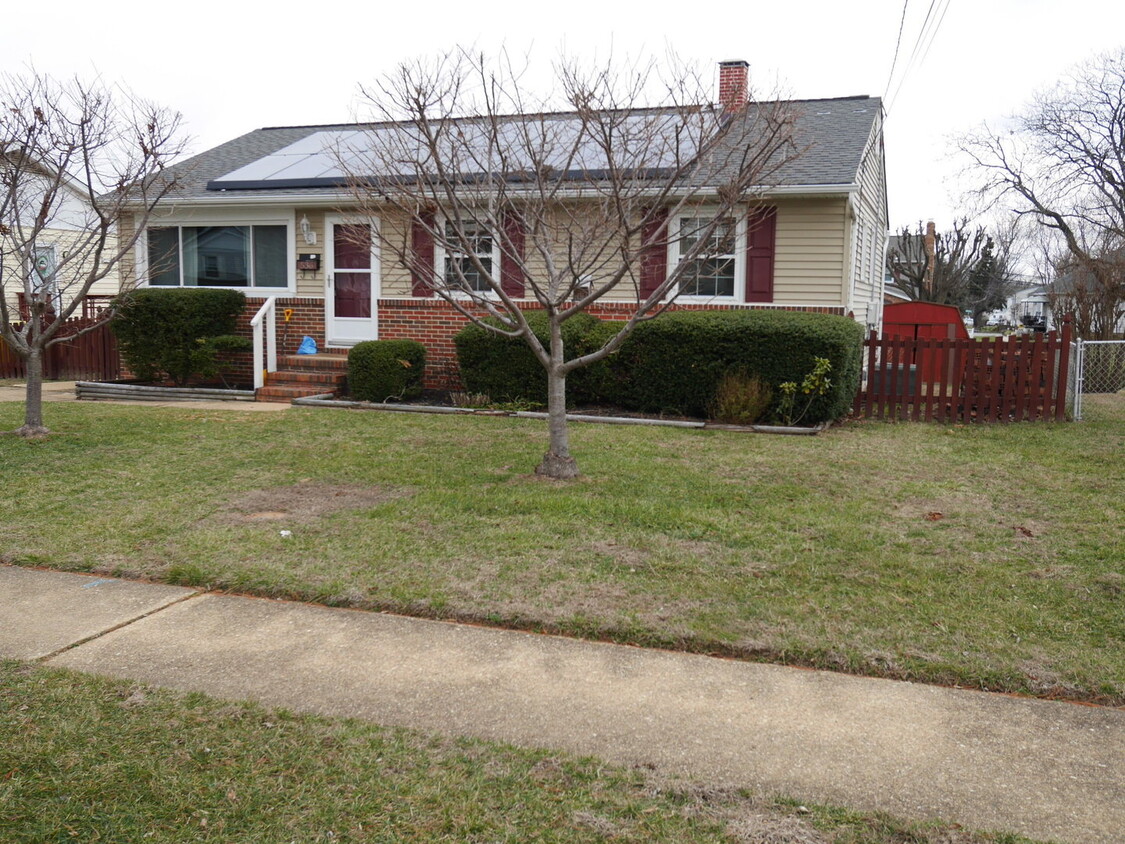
(86, 357)
(1001, 379)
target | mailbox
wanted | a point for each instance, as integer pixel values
(308, 261)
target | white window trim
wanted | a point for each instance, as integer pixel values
(230, 217)
(441, 255)
(740, 216)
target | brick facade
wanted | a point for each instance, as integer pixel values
(432, 322)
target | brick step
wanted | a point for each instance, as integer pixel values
(299, 377)
(286, 393)
(320, 361)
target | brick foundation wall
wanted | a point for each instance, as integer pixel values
(432, 322)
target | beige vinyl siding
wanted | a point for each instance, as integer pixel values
(865, 297)
(310, 283)
(809, 262)
(397, 282)
(810, 255)
(809, 266)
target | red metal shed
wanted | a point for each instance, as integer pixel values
(924, 320)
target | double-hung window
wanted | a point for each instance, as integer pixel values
(459, 269)
(218, 256)
(709, 257)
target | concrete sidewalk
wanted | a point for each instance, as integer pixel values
(1046, 770)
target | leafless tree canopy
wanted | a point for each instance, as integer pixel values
(1063, 164)
(970, 270)
(576, 193)
(73, 157)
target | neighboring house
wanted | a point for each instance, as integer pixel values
(907, 256)
(46, 269)
(1030, 304)
(266, 213)
(1098, 307)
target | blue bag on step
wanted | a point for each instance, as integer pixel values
(308, 346)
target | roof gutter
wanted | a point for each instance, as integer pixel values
(269, 198)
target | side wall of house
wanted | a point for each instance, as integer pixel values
(865, 294)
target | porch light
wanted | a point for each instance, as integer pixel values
(307, 231)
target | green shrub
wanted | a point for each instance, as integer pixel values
(506, 369)
(175, 334)
(740, 399)
(674, 363)
(386, 369)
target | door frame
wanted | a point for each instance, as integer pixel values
(344, 332)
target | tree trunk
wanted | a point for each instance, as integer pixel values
(557, 462)
(33, 405)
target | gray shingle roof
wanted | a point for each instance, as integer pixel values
(834, 132)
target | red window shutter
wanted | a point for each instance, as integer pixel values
(760, 248)
(422, 244)
(511, 276)
(654, 258)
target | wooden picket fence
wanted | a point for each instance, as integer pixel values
(1002, 379)
(87, 357)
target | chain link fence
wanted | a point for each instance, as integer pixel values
(1100, 368)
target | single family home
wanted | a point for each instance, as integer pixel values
(273, 213)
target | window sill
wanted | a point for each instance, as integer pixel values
(251, 292)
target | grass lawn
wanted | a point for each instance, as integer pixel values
(987, 556)
(84, 759)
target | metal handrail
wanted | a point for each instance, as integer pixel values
(264, 324)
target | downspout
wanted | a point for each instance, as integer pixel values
(853, 247)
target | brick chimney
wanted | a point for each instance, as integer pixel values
(733, 90)
(929, 244)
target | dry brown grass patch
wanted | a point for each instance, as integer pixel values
(304, 502)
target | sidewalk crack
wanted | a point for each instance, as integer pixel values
(80, 642)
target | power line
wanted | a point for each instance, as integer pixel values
(898, 44)
(935, 15)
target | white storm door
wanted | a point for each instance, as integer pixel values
(351, 281)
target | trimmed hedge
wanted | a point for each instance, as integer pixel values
(505, 368)
(383, 369)
(674, 363)
(177, 333)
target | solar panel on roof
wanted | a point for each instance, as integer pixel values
(325, 158)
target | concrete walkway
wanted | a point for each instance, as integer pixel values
(1046, 770)
(63, 391)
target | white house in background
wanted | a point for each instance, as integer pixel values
(49, 268)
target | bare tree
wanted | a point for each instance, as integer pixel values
(73, 157)
(577, 202)
(1063, 164)
(965, 267)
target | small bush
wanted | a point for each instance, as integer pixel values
(176, 333)
(506, 369)
(740, 399)
(379, 370)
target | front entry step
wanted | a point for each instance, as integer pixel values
(305, 375)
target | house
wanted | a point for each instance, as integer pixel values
(42, 250)
(270, 213)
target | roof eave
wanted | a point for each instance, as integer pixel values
(221, 198)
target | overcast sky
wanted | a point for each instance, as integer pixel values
(230, 67)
